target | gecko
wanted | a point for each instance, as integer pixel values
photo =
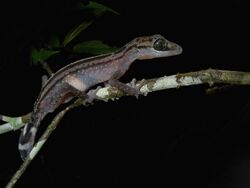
(77, 78)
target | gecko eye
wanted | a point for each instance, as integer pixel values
(161, 45)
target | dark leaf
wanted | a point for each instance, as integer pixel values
(41, 55)
(76, 31)
(98, 9)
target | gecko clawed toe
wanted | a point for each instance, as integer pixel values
(137, 85)
(91, 96)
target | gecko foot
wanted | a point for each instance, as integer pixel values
(91, 96)
(137, 86)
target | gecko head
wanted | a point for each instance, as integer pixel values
(156, 46)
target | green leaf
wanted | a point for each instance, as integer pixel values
(98, 9)
(76, 31)
(41, 55)
(94, 47)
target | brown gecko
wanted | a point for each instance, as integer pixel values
(75, 80)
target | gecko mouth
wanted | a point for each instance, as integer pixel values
(175, 48)
(178, 49)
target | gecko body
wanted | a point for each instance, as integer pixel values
(75, 79)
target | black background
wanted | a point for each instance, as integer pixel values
(175, 138)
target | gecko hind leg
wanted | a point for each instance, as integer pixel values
(89, 97)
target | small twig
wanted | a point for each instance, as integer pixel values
(37, 147)
(46, 67)
(13, 123)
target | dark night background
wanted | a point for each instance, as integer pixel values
(175, 138)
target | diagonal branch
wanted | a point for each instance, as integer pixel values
(52, 126)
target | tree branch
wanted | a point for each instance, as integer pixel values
(209, 76)
(46, 67)
(13, 123)
(52, 126)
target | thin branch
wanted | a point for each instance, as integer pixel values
(209, 76)
(46, 67)
(13, 123)
(37, 147)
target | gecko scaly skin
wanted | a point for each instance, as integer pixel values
(75, 79)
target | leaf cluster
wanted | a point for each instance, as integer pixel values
(56, 45)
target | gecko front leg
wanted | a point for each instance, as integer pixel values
(125, 88)
(131, 89)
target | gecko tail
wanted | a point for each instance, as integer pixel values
(26, 140)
